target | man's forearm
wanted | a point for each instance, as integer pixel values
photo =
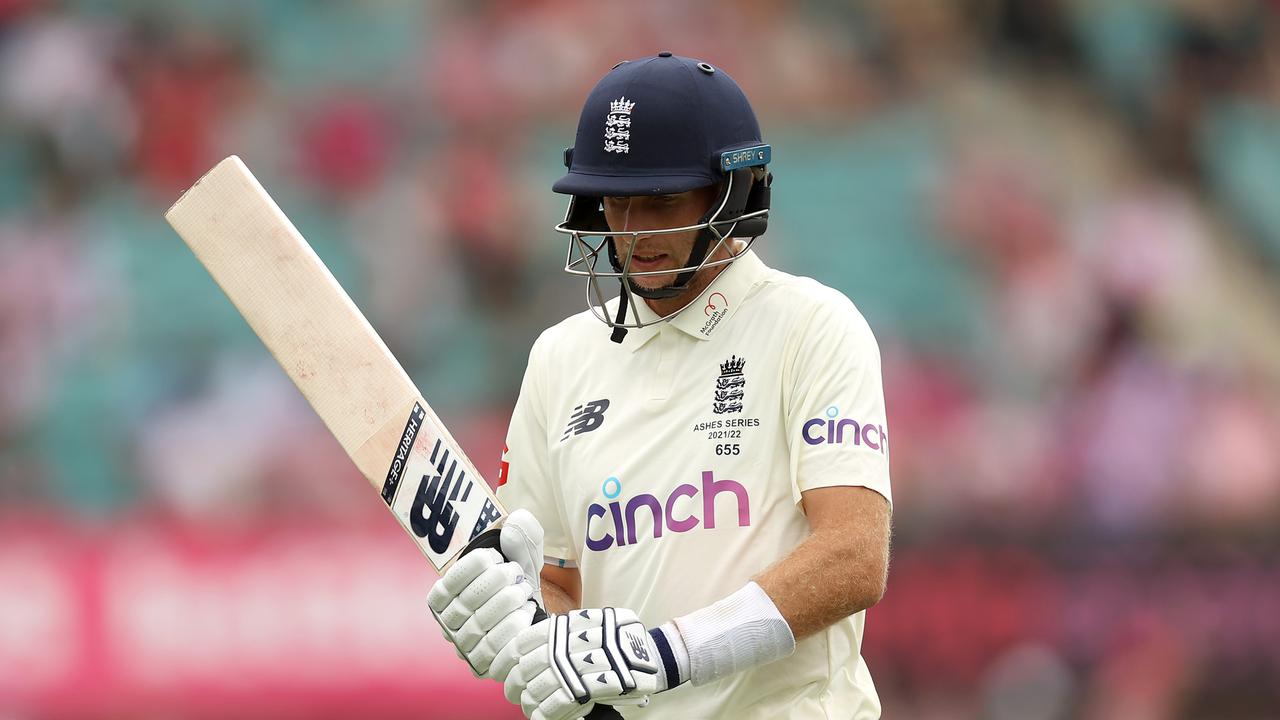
(834, 573)
(556, 598)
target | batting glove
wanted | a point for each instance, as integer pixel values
(485, 600)
(569, 662)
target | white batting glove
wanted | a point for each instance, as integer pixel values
(485, 600)
(569, 662)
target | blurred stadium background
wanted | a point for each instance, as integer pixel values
(1059, 217)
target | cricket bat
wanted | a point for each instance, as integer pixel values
(345, 371)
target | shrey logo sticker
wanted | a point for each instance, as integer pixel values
(617, 126)
(730, 386)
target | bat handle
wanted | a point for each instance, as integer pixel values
(489, 539)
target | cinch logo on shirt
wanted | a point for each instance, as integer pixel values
(833, 431)
(620, 528)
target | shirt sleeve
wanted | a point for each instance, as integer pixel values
(525, 479)
(835, 414)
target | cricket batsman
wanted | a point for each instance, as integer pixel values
(704, 484)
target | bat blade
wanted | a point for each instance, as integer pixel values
(336, 359)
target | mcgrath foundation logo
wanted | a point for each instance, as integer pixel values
(617, 126)
(835, 430)
(730, 386)
(717, 307)
(688, 507)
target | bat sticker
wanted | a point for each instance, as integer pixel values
(401, 461)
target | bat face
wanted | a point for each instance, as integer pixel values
(336, 359)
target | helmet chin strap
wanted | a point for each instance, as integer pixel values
(733, 200)
(624, 298)
(628, 287)
(677, 286)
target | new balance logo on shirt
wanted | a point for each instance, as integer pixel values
(585, 418)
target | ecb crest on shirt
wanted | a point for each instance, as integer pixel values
(730, 386)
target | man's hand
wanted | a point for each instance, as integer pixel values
(485, 600)
(568, 662)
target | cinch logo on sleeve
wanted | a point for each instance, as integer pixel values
(615, 523)
(834, 430)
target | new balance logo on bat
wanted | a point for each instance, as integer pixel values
(432, 516)
(586, 418)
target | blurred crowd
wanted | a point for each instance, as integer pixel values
(1057, 216)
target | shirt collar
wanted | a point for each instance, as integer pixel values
(713, 308)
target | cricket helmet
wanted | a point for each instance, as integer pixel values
(661, 125)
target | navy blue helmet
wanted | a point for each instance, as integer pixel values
(663, 125)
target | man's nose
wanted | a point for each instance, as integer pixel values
(630, 237)
(642, 216)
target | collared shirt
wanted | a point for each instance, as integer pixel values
(669, 468)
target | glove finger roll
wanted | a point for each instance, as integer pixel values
(463, 572)
(478, 592)
(541, 687)
(501, 642)
(497, 639)
(530, 639)
(559, 705)
(562, 712)
(582, 639)
(603, 684)
(590, 662)
(507, 601)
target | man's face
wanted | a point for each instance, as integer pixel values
(657, 212)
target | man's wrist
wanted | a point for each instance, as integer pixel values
(741, 631)
(556, 599)
(673, 654)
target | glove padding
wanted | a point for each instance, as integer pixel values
(485, 600)
(569, 662)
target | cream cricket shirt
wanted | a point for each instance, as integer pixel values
(669, 468)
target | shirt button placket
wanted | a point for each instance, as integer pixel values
(661, 374)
